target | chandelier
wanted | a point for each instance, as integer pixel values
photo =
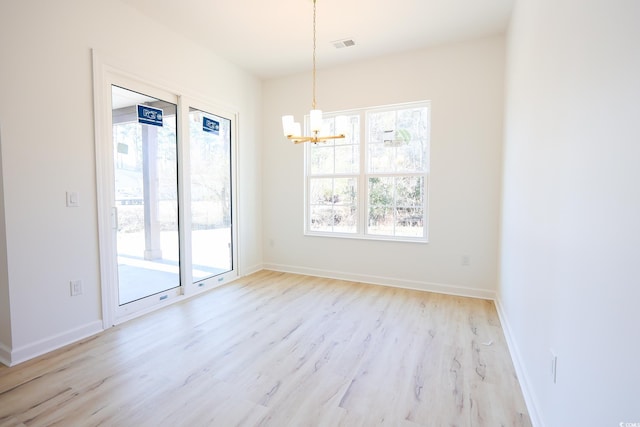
(292, 129)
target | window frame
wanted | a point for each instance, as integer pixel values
(362, 176)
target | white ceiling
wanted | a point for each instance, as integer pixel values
(274, 38)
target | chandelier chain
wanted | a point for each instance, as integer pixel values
(292, 129)
(313, 104)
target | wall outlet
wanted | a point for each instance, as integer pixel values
(554, 367)
(465, 260)
(76, 287)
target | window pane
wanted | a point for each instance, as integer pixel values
(381, 220)
(345, 191)
(411, 137)
(347, 219)
(321, 218)
(409, 206)
(321, 191)
(396, 206)
(380, 124)
(320, 215)
(327, 160)
(398, 141)
(381, 158)
(409, 222)
(410, 157)
(347, 159)
(409, 191)
(350, 126)
(322, 159)
(333, 204)
(337, 156)
(211, 228)
(381, 206)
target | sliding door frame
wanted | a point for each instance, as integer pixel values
(104, 76)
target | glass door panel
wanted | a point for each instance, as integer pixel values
(146, 194)
(211, 224)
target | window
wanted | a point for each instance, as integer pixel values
(373, 186)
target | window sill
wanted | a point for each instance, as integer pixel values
(403, 239)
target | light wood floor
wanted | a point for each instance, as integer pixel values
(276, 349)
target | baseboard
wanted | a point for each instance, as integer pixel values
(525, 384)
(5, 355)
(385, 281)
(251, 270)
(41, 347)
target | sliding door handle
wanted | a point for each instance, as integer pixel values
(114, 218)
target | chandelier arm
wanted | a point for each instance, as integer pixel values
(313, 139)
(326, 138)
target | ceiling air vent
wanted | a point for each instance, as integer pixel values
(339, 44)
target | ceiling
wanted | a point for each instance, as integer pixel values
(274, 38)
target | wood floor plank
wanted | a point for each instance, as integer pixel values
(277, 349)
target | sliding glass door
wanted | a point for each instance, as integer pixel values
(211, 207)
(145, 161)
(166, 195)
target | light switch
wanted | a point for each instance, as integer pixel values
(73, 199)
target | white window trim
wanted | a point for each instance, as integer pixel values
(362, 178)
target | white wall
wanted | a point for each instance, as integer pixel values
(570, 276)
(465, 85)
(46, 117)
